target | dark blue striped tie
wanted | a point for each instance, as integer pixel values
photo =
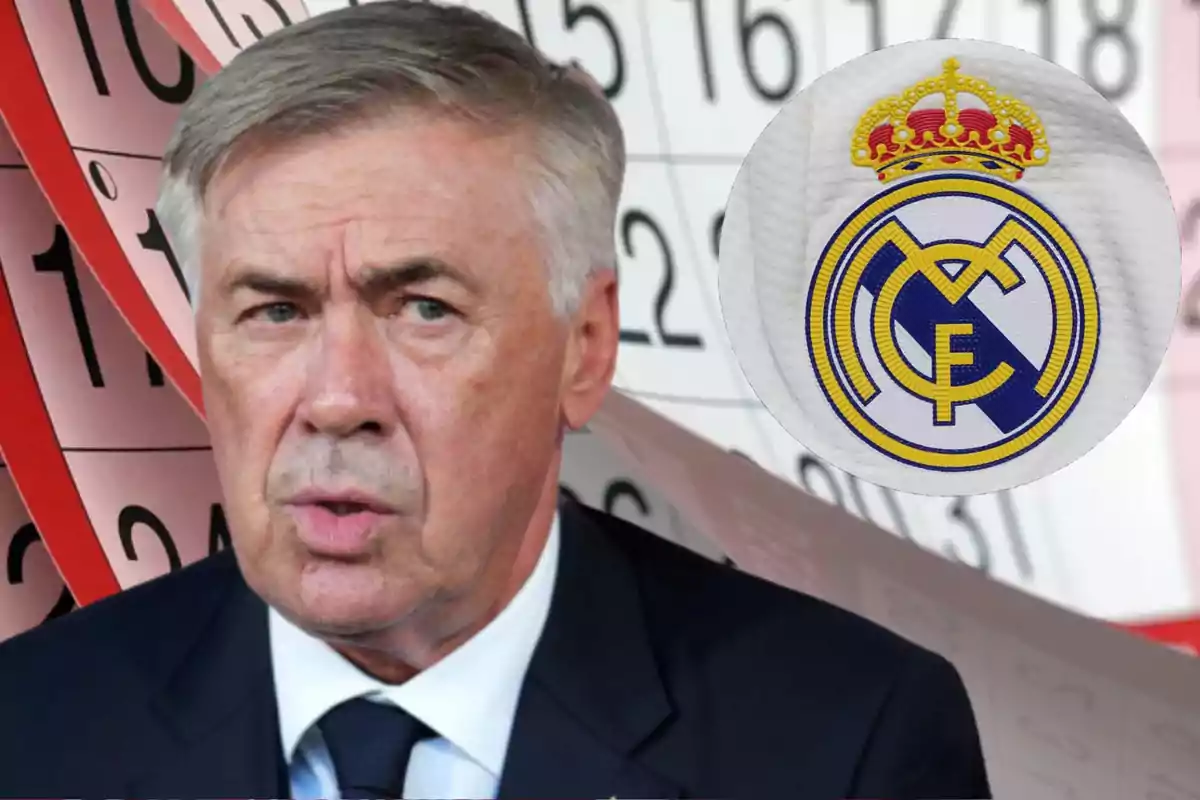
(370, 744)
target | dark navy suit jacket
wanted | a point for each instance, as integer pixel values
(659, 674)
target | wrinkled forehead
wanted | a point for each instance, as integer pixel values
(374, 191)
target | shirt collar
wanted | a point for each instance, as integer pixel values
(468, 698)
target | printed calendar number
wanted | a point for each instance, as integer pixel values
(671, 315)
(750, 25)
(131, 516)
(975, 545)
(175, 93)
(618, 495)
(622, 491)
(575, 13)
(723, 69)
(1111, 44)
(1103, 42)
(671, 338)
(102, 62)
(153, 239)
(154, 511)
(58, 258)
(601, 37)
(100, 387)
(24, 543)
(1111, 30)
(126, 189)
(986, 533)
(633, 222)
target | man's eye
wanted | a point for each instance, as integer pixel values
(277, 313)
(430, 310)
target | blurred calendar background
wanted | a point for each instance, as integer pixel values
(108, 465)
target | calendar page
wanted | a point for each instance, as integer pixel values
(72, 71)
(112, 463)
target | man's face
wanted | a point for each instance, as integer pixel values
(384, 377)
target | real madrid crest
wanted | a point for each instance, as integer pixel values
(936, 326)
(915, 360)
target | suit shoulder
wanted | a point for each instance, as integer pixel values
(121, 626)
(727, 608)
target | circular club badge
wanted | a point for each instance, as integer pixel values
(949, 267)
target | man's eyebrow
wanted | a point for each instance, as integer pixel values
(376, 280)
(264, 281)
(383, 279)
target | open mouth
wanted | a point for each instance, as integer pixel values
(344, 508)
(337, 526)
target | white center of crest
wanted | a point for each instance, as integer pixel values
(1024, 316)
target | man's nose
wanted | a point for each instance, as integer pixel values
(348, 389)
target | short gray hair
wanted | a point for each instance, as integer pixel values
(365, 61)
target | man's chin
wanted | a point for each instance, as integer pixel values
(336, 600)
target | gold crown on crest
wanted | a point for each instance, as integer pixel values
(1004, 138)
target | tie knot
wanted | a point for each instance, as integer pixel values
(370, 744)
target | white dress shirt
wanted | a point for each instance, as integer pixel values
(468, 698)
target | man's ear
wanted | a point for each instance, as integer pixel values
(591, 358)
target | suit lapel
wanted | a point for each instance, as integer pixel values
(592, 694)
(220, 730)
